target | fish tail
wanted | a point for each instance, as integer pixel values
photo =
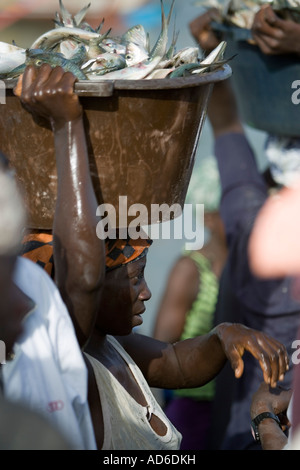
(170, 13)
(98, 29)
(78, 18)
(66, 16)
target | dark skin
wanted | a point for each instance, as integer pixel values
(275, 35)
(124, 290)
(14, 304)
(200, 29)
(272, 34)
(275, 401)
(49, 93)
(224, 118)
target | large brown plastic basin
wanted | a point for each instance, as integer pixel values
(142, 137)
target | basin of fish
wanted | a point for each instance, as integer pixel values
(144, 110)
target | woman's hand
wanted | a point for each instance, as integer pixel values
(274, 400)
(202, 32)
(274, 35)
(272, 355)
(49, 93)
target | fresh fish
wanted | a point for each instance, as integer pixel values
(136, 41)
(97, 46)
(211, 62)
(114, 46)
(161, 44)
(135, 54)
(11, 57)
(67, 19)
(69, 49)
(186, 55)
(14, 73)
(79, 17)
(94, 48)
(185, 70)
(171, 51)
(53, 59)
(78, 56)
(53, 37)
(159, 73)
(137, 35)
(235, 12)
(57, 21)
(17, 71)
(75, 46)
(141, 70)
(215, 55)
(104, 64)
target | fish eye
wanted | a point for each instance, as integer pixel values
(128, 57)
(38, 62)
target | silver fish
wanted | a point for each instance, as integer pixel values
(186, 55)
(141, 70)
(159, 73)
(113, 45)
(10, 57)
(69, 48)
(53, 37)
(171, 51)
(79, 17)
(214, 56)
(137, 35)
(211, 62)
(53, 59)
(104, 64)
(135, 54)
(67, 19)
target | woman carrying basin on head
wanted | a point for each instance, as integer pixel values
(129, 362)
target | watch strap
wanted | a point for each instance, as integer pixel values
(258, 419)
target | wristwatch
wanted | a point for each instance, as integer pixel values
(258, 419)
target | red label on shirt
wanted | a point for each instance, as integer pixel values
(55, 406)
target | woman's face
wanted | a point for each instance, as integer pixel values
(122, 302)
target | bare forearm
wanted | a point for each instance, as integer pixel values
(194, 362)
(182, 365)
(223, 111)
(192, 357)
(78, 253)
(271, 436)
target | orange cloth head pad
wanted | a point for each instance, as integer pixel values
(123, 251)
(38, 247)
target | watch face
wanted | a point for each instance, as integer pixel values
(254, 432)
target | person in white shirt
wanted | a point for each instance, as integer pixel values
(15, 417)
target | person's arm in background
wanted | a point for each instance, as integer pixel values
(78, 253)
(274, 35)
(243, 188)
(180, 293)
(200, 29)
(275, 401)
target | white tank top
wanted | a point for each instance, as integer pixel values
(126, 422)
